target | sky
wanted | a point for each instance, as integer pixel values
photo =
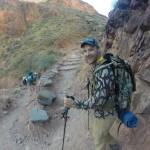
(102, 6)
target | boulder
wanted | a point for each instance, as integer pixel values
(45, 82)
(123, 4)
(145, 71)
(46, 97)
(135, 4)
(117, 17)
(48, 75)
(145, 25)
(146, 75)
(45, 79)
(37, 115)
(133, 22)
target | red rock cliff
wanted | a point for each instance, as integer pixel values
(128, 33)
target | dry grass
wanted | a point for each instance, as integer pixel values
(7, 82)
(5, 101)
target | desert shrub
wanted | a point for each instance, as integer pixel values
(43, 60)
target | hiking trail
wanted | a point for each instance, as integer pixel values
(18, 133)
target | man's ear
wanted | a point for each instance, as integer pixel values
(99, 51)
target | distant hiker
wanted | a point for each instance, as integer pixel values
(30, 78)
(103, 95)
(24, 81)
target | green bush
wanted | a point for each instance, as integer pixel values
(43, 60)
(34, 62)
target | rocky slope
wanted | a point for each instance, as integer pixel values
(128, 33)
(75, 4)
(35, 1)
(15, 14)
(11, 20)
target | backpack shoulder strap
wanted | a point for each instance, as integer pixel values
(103, 62)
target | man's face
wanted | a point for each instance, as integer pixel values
(91, 54)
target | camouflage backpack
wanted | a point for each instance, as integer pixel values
(124, 81)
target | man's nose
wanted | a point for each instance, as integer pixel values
(87, 53)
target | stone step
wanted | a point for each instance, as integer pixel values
(72, 60)
(54, 70)
(38, 115)
(76, 57)
(45, 82)
(70, 63)
(66, 68)
(46, 97)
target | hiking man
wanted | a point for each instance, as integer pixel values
(101, 100)
(30, 78)
(24, 81)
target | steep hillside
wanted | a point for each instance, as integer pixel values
(35, 1)
(32, 34)
(75, 4)
(128, 33)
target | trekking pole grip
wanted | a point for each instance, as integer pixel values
(71, 97)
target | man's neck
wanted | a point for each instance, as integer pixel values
(100, 58)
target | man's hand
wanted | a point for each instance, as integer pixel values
(68, 102)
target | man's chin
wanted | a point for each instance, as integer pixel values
(90, 62)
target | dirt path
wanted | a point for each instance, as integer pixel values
(8, 138)
(20, 134)
(77, 135)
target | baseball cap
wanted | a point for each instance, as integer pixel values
(90, 41)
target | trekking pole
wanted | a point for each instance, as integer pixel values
(88, 98)
(65, 116)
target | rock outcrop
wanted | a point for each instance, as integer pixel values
(15, 14)
(35, 1)
(11, 19)
(128, 33)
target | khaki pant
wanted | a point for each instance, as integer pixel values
(101, 135)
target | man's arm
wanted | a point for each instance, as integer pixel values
(104, 85)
